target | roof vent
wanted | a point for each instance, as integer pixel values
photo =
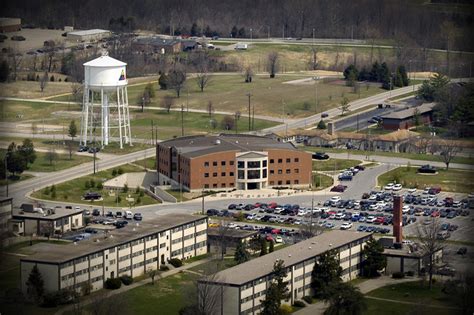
(236, 141)
(330, 245)
(217, 141)
(138, 224)
(97, 240)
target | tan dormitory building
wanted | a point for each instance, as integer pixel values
(232, 161)
(129, 251)
(242, 288)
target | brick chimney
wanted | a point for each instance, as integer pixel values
(397, 218)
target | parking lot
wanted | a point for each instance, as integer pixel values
(372, 213)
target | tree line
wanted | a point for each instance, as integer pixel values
(378, 73)
(420, 23)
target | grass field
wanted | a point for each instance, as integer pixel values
(321, 181)
(72, 191)
(15, 179)
(334, 164)
(452, 180)
(414, 292)
(411, 156)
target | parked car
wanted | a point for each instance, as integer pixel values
(320, 156)
(462, 251)
(446, 271)
(96, 212)
(397, 187)
(324, 115)
(18, 38)
(346, 226)
(427, 169)
(339, 188)
(137, 216)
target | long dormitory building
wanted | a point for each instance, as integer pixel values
(242, 288)
(129, 251)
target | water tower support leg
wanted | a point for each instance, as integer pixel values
(128, 118)
(120, 117)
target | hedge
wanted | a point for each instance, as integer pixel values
(299, 304)
(113, 284)
(176, 262)
(127, 280)
(398, 275)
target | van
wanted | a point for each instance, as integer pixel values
(128, 215)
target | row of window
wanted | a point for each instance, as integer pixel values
(287, 182)
(287, 171)
(124, 258)
(222, 185)
(139, 253)
(347, 258)
(288, 160)
(251, 164)
(215, 163)
(251, 297)
(223, 174)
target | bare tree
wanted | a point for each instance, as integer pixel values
(152, 273)
(209, 295)
(168, 102)
(448, 151)
(344, 105)
(203, 77)
(51, 156)
(210, 108)
(313, 59)
(430, 243)
(247, 73)
(272, 63)
(449, 33)
(177, 78)
(76, 91)
(43, 81)
(228, 123)
(223, 240)
(15, 62)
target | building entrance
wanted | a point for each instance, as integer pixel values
(251, 186)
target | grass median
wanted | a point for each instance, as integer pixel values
(452, 180)
(73, 190)
(334, 164)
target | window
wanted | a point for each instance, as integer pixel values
(280, 160)
(264, 173)
(272, 161)
(272, 182)
(240, 164)
(280, 172)
(206, 185)
(253, 174)
(214, 174)
(214, 163)
(231, 162)
(223, 163)
(206, 164)
(231, 184)
(253, 164)
(288, 160)
(206, 174)
(288, 182)
(231, 174)
(223, 185)
(223, 174)
(265, 163)
(214, 185)
(297, 181)
(288, 171)
(297, 170)
(297, 160)
(241, 174)
(280, 182)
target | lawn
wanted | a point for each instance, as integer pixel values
(376, 307)
(148, 163)
(334, 164)
(411, 156)
(42, 164)
(452, 180)
(321, 181)
(15, 179)
(42, 113)
(416, 292)
(73, 190)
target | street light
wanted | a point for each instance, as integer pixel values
(316, 78)
(251, 37)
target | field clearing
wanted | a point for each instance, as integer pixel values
(449, 180)
(73, 190)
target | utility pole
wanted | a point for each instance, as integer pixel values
(202, 203)
(6, 171)
(316, 78)
(250, 118)
(253, 116)
(251, 35)
(182, 120)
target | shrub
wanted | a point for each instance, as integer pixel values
(141, 193)
(164, 268)
(92, 183)
(299, 304)
(100, 186)
(398, 275)
(120, 171)
(176, 262)
(113, 284)
(285, 309)
(87, 185)
(49, 300)
(53, 194)
(114, 172)
(125, 187)
(139, 200)
(127, 280)
(308, 299)
(410, 273)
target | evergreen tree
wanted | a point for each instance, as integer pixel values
(72, 130)
(351, 70)
(277, 290)
(326, 271)
(241, 254)
(4, 71)
(271, 247)
(364, 75)
(397, 79)
(194, 30)
(343, 299)
(17, 162)
(321, 125)
(241, 33)
(404, 74)
(163, 82)
(35, 285)
(27, 150)
(234, 31)
(375, 72)
(374, 260)
(385, 76)
(263, 247)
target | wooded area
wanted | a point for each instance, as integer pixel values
(435, 25)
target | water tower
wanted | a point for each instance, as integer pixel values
(105, 113)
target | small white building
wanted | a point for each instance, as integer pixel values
(88, 35)
(6, 206)
(241, 46)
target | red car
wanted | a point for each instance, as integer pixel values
(339, 188)
(272, 205)
(276, 231)
(269, 238)
(379, 220)
(435, 214)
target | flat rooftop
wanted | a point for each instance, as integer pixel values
(57, 254)
(58, 214)
(194, 146)
(230, 233)
(88, 32)
(409, 112)
(291, 255)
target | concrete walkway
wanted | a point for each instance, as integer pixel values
(108, 293)
(364, 287)
(412, 303)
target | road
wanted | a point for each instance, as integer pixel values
(360, 121)
(334, 113)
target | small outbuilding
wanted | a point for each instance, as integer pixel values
(405, 119)
(10, 25)
(88, 35)
(226, 241)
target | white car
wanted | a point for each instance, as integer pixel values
(251, 216)
(335, 199)
(373, 197)
(340, 216)
(408, 242)
(405, 209)
(397, 187)
(278, 239)
(346, 226)
(389, 186)
(373, 207)
(232, 226)
(109, 222)
(301, 213)
(77, 208)
(128, 215)
(412, 190)
(370, 219)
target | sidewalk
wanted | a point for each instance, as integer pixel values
(364, 287)
(108, 293)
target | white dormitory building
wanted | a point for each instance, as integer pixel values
(129, 251)
(241, 289)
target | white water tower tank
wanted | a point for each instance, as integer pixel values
(105, 73)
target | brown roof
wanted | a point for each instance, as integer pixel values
(398, 135)
(409, 112)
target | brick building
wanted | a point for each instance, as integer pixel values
(405, 118)
(226, 161)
